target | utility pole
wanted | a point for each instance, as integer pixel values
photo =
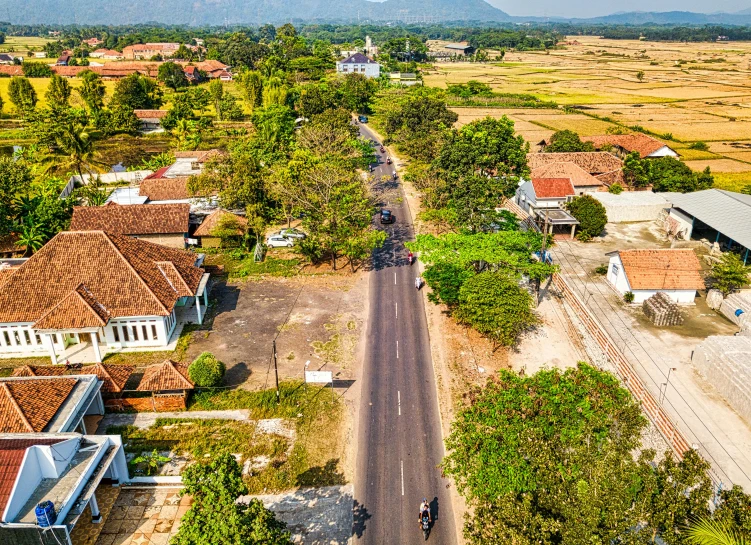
(542, 254)
(276, 372)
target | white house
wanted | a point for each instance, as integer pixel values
(543, 193)
(359, 64)
(98, 288)
(623, 144)
(62, 468)
(645, 272)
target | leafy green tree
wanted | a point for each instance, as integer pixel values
(30, 237)
(229, 108)
(33, 69)
(676, 493)
(15, 181)
(137, 92)
(712, 532)
(216, 517)
(22, 94)
(671, 174)
(357, 91)
(547, 459)
(184, 53)
(567, 141)
(58, 92)
(734, 511)
(206, 370)
(91, 90)
(187, 134)
(635, 171)
(182, 108)
(216, 92)
(729, 273)
(445, 281)
(251, 85)
(275, 126)
(314, 99)
(332, 137)
(640, 75)
(172, 75)
(493, 304)
(591, 215)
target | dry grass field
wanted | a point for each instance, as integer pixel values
(690, 92)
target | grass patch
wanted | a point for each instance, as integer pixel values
(731, 181)
(139, 359)
(200, 438)
(240, 265)
(12, 363)
(316, 414)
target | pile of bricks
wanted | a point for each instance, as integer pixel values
(662, 311)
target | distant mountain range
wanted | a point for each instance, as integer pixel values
(255, 12)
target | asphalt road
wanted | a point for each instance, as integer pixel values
(399, 443)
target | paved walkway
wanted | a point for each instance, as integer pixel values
(314, 516)
(717, 432)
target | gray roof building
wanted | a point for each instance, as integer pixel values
(722, 211)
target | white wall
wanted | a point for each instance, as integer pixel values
(616, 274)
(664, 151)
(28, 478)
(685, 221)
(141, 331)
(617, 277)
(371, 69)
(684, 297)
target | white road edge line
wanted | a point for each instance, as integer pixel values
(402, 462)
(395, 279)
(397, 349)
(396, 309)
(399, 401)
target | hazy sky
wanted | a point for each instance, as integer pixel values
(584, 8)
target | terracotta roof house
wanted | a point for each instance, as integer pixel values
(98, 288)
(206, 229)
(165, 190)
(359, 64)
(48, 403)
(677, 272)
(92, 42)
(110, 54)
(165, 224)
(168, 376)
(151, 120)
(63, 468)
(543, 199)
(113, 377)
(580, 178)
(623, 144)
(595, 163)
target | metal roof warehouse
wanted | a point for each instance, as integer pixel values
(715, 214)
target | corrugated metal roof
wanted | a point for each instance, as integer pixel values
(725, 211)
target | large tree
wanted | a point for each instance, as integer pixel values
(92, 90)
(58, 92)
(547, 459)
(591, 214)
(172, 75)
(671, 174)
(137, 92)
(729, 273)
(567, 141)
(22, 94)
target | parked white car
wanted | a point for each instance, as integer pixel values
(292, 233)
(278, 241)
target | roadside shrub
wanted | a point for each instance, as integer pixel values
(601, 269)
(591, 215)
(615, 189)
(628, 297)
(206, 371)
(701, 146)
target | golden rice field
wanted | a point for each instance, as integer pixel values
(690, 92)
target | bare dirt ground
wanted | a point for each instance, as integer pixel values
(316, 320)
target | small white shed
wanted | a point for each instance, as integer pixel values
(645, 272)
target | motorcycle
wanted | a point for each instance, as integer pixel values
(388, 161)
(382, 149)
(425, 526)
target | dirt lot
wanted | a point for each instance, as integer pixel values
(314, 319)
(690, 92)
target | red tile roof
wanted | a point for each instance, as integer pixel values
(113, 376)
(133, 219)
(213, 219)
(29, 405)
(77, 310)
(662, 269)
(645, 145)
(40, 371)
(201, 156)
(165, 189)
(150, 114)
(168, 375)
(12, 452)
(578, 176)
(548, 188)
(158, 173)
(595, 162)
(118, 273)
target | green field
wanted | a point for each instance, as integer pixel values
(22, 44)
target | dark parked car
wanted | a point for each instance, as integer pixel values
(387, 216)
(362, 118)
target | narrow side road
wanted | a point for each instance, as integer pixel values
(399, 440)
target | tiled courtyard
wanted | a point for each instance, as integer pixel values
(138, 516)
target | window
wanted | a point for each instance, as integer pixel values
(38, 338)
(116, 334)
(145, 333)
(17, 337)
(135, 332)
(616, 269)
(153, 332)
(7, 338)
(27, 336)
(126, 335)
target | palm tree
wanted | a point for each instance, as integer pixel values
(710, 532)
(187, 135)
(31, 238)
(73, 150)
